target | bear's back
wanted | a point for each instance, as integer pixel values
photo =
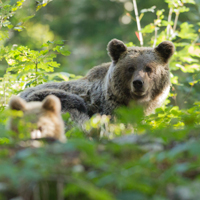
(98, 72)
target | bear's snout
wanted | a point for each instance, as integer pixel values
(138, 84)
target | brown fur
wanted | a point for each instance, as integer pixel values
(41, 119)
(140, 74)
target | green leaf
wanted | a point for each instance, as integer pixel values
(187, 31)
(152, 9)
(148, 28)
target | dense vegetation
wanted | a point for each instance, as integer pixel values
(159, 161)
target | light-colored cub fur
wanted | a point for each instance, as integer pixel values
(40, 119)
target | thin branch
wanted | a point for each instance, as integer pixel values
(169, 20)
(138, 22)
(128, 14)
(155, 39)
(175, 21)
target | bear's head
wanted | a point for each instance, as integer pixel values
(139, 73)
(40, 119)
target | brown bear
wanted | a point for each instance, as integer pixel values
(40, 119)
(140, 74)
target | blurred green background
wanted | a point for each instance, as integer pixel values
(87, 26)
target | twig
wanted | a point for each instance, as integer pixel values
(175, 21)
(128, 14)
(138, 22)
(155, 39)
(169, 20)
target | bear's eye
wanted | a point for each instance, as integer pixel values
(131, 69)
(148, 69)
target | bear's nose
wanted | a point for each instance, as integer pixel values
(137, 84)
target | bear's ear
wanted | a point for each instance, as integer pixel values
(166, 50)
(52, 103)
(17, 103)
(115, 49)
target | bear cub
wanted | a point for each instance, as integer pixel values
(139, 74)
(40, 119)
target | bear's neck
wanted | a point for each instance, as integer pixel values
(112, 99)
(111, 92)
(157, 102)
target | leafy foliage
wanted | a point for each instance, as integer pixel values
(131, 157)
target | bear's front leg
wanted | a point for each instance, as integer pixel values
(109, 107)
